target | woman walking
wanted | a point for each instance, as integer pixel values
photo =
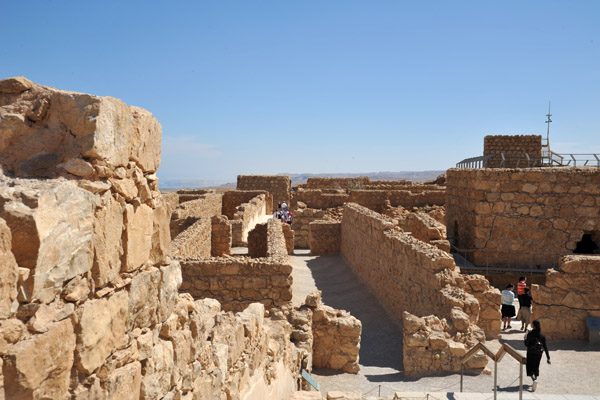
(536, 346)
(508, 305)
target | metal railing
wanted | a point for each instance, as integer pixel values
(468, 267)
(505, 349)
(524, 160)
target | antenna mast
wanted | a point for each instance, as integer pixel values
(548, 122)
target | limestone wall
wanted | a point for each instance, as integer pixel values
(522, 218)
(267, 240)
(336, 183)
(89, 306)
(325, 237)
(187, 212)
(302, 219)
(220, 236)
(195, 241)
(250, 214)
(288, 234)
(514, 148)
(237, 282)
(192, 194)
(278, 185)
(373, 199)
(232, 199)
(570, 295)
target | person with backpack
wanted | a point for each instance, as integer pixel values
(508, 305)
(525, 309)
(535, 341)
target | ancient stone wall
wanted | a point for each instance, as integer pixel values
(288, 234)
(522, 218)
(192, 194)
(514, 148)
(302, 219)
(406, 274)
(195, 241)
(238, 281)
(88, 297)
(325, 237)
(570, 295)
(425, 228)
(336, 183)
(232, 199)
(267, 240)
(278, 185)
(220, 237)
(250, 214)
(187, 212)
(375, 200)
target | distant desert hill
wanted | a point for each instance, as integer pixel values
(297, 179)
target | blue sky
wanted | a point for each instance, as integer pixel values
(244, 87)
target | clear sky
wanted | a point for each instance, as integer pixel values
(252, 87)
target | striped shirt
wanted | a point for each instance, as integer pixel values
(521, 285)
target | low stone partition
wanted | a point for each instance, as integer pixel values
(192, 194)
(570, 295)
(336, 339)
(325, 237)
(376, 200)
(232, 199)
(390, 262)
(302, 219)
(195, 241)
(238, 281)
(220, 236)
(288, 234)
(336, 183)
(267, 240)
(278, 185)
(186, 213)
(249, 214)
(425, 228)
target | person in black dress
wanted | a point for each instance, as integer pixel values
(536, 346)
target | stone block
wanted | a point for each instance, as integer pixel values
(9, 272)
(108, 249)
(137, 238)
(51, 223)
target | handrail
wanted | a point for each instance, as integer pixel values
(504, 349)
(548, 158)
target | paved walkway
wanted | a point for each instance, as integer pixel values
(575, 368)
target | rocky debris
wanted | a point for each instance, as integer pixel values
(15, 85)
(431, 344)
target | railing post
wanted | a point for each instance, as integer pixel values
(495, 379)
(462, 370)
(521, 381)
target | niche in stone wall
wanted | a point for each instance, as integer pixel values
(588, 244)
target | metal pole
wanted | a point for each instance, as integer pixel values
(521, 381)
(462, 369)
(380, 390)
(495, 379)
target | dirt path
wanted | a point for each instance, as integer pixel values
(575, 365)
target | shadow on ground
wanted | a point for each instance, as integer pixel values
(381, 340)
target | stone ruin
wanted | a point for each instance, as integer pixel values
(111, 289)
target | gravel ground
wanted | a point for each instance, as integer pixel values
(575, 365)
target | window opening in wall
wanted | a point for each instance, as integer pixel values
(587, 245)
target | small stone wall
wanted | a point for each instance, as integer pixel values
(186, 213)
(220, 237)
(336, 183)
(336, 338)
(325, 237)
(267, 240)
(288, 234)
(192, 194)
(232, 199)
(423, 227)
(522, 218)
(302, 219)
(249, 213)
(278, 185)
(195, 241)
(514, 148)
(238, 281)
(571, 293)
(376, 200)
